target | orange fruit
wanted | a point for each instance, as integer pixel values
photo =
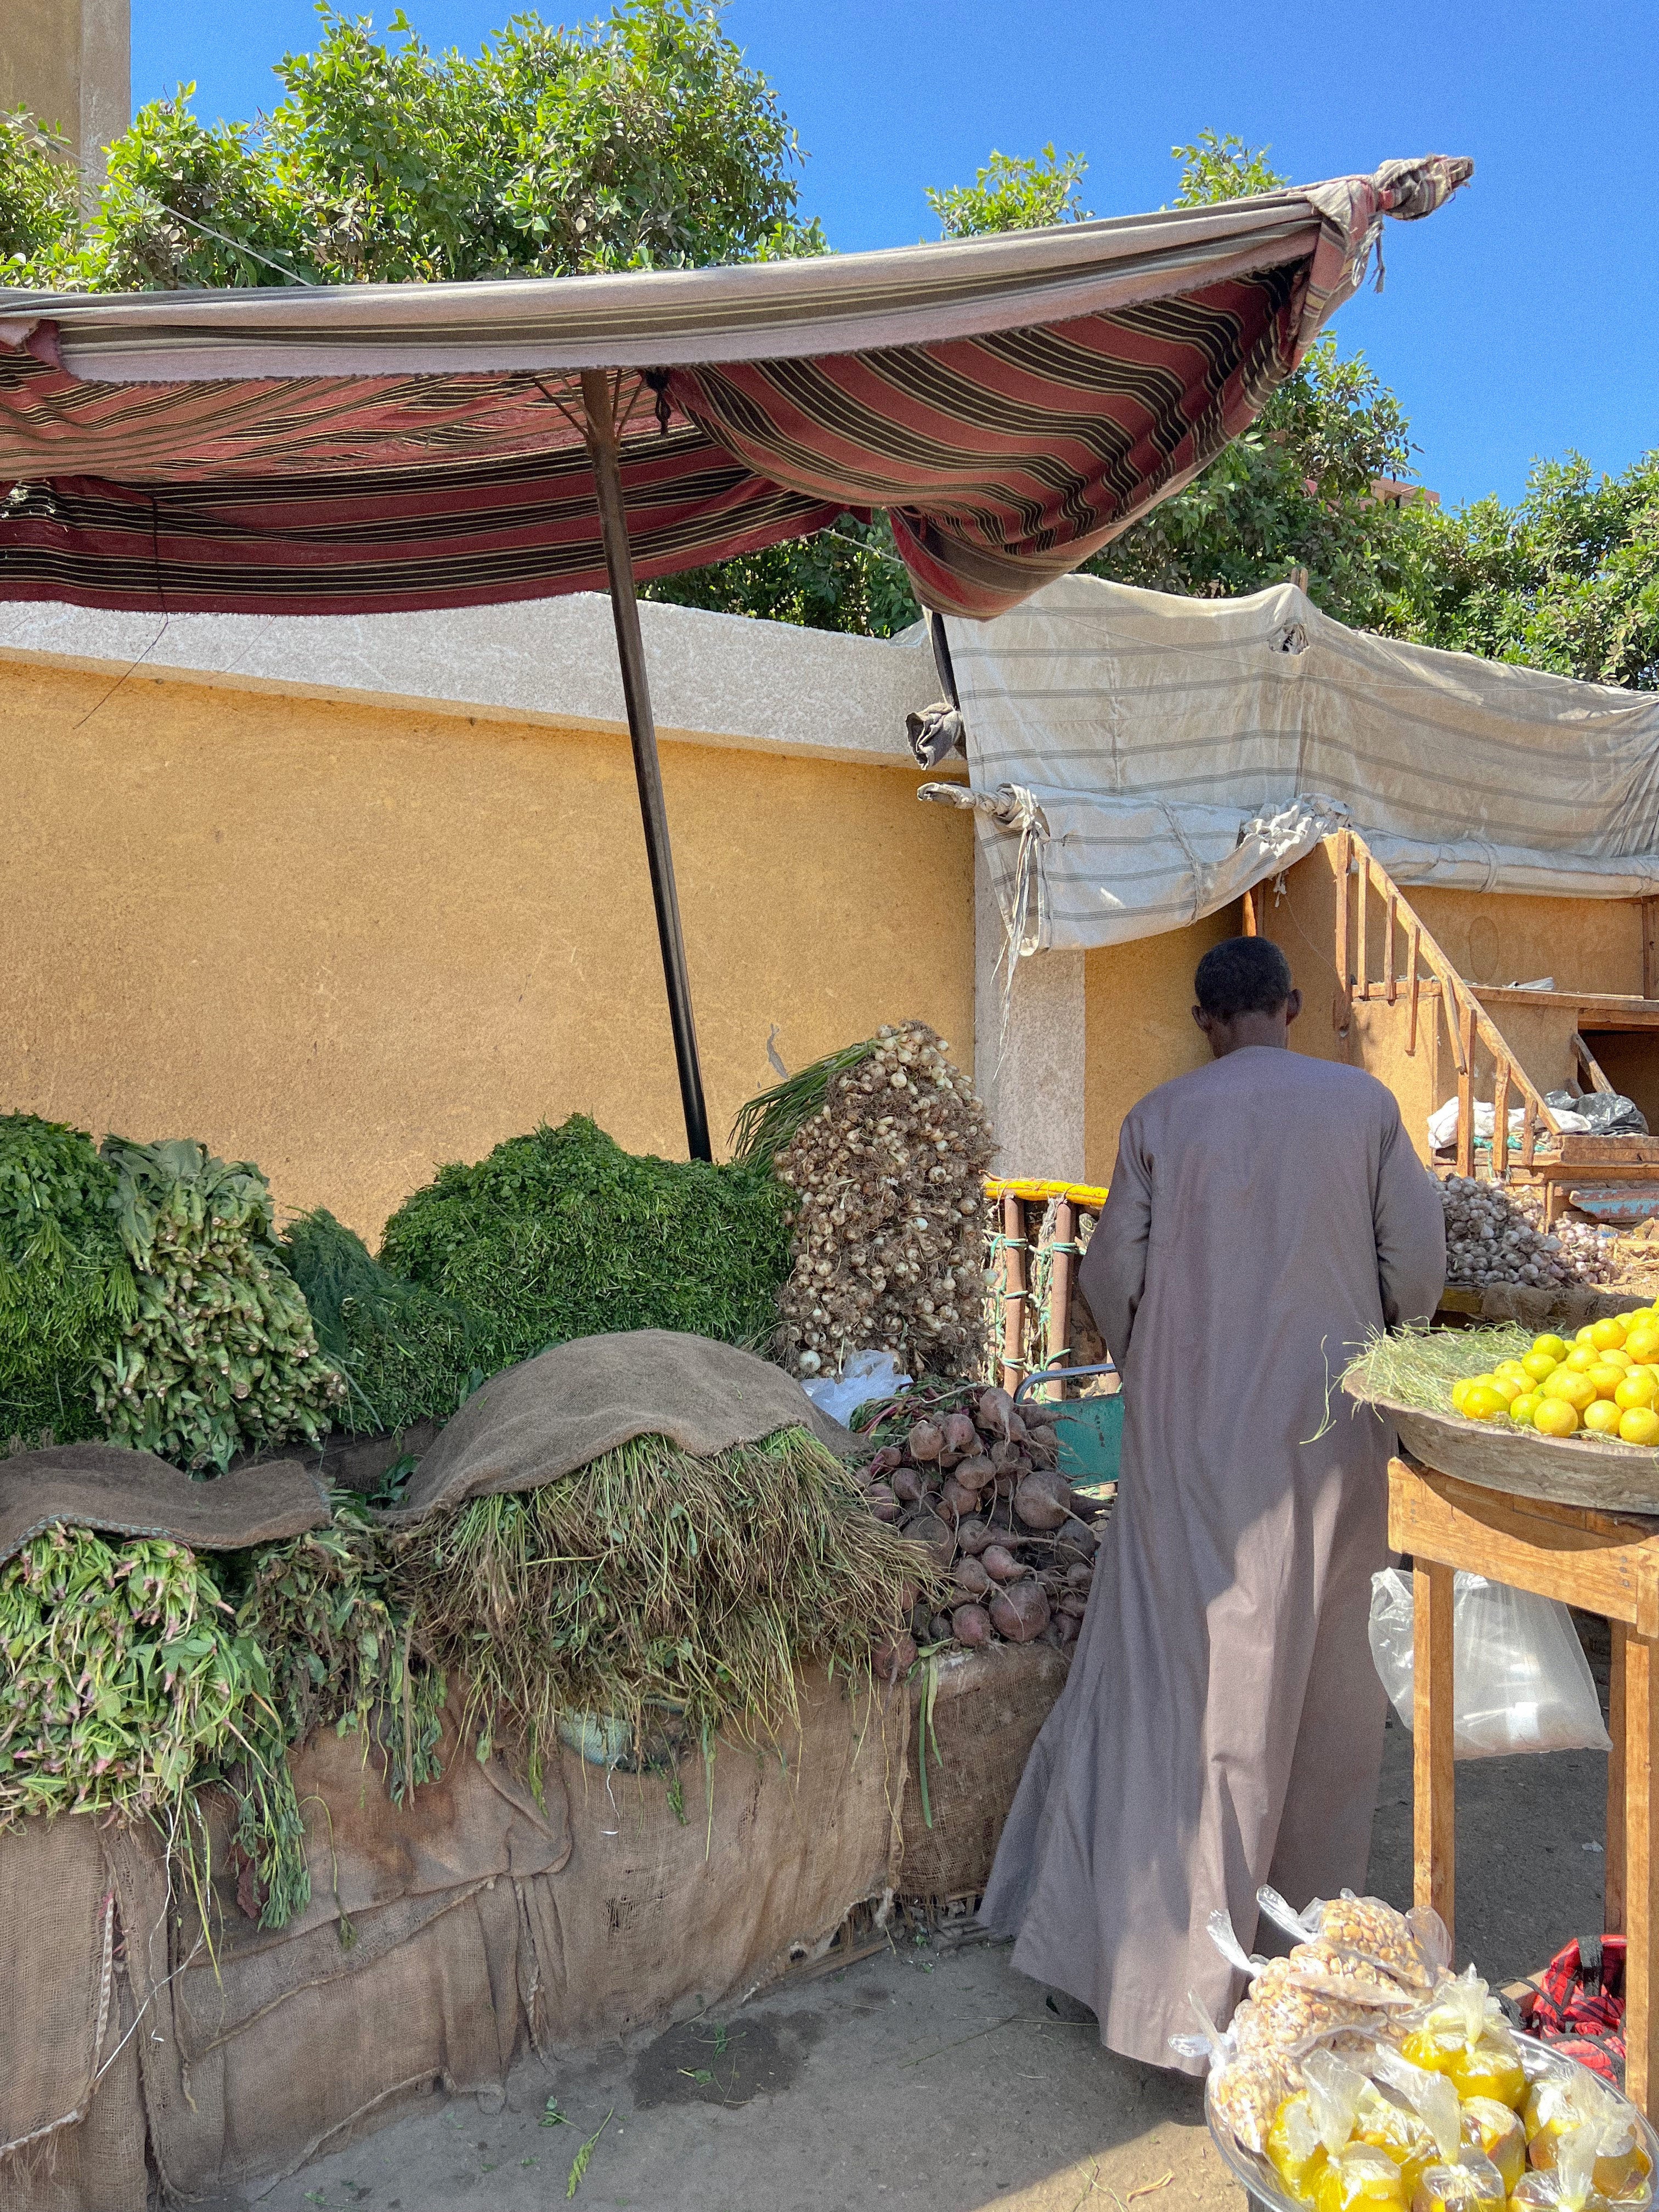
(1554, 1418)
(1640, 1425)
(1572, 1389)
(1602, 1418)
(1484, 1403)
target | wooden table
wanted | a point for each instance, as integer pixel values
(1603, 1563)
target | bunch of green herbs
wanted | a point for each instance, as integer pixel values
(66, 1286)
(652, 1585)
(220, 1356)
(405, 1353)
(563, 1234)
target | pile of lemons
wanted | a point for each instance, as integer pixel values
(1606, 1383)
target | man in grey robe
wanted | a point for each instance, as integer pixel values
(1222, 1724)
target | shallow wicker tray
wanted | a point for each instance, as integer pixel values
(1567, 1470)
(1265, 2188)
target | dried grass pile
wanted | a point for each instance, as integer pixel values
(1417, 1366)
(669, 1594)
(886, 1175)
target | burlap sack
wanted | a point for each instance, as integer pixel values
(130, 1493)
(988, 1709)
(552, 1415)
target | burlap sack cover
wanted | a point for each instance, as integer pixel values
(550, 1415)
(988, 1709)
(1560, 1308)
(130, 1494)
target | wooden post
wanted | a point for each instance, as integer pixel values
(1640, 1869)
(1251, 929)
(1361, 959)
(1411, 952)
(1013, 1293)
(1613, 1865)
(1343, 863)
(604, 451)
(1057, 1342)
(1650, 948)
(1466, 1088)
(1390, 986)
(1434, 1804)
(1500, 1122)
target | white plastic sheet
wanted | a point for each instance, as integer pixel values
(1520, 1679)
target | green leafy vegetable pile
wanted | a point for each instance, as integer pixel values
(65, 1284)
(558, 1234)
(221, 1356)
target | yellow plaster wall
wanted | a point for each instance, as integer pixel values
(1586, 944)
(350, 942)
(1139, 1029)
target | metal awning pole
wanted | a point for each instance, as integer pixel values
(603, 445)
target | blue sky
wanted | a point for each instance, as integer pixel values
(1520, 321)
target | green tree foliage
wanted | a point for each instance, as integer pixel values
(1568, 579)
(641, 141)
(39, 214)
(1012, 194)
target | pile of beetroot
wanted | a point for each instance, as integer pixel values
(980, 1487)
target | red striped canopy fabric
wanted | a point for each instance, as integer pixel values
(1013, 403)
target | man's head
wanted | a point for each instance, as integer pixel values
(1245, 994)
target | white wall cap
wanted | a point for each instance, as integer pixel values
(722, 679)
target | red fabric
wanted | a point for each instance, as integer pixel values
(1005, 458)
(1580, 2006)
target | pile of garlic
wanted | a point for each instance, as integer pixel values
(888, 1251)
(1491, 1239)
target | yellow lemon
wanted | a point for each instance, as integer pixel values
(1512, 1367)
(1607, 1379)
(1602, 1419)
(1640, 1424)
(1523, 1409)
(1586, 1335)
(1483, 1402)
(1638, 1389)
(1552, 1345)
(1643, 1341)
(1554, 1418)
(1616, 1358)
(1582, 1358)
(1462, 1389)
(1508, 1388)
(1575, 1390)
(1609, 1335)
(1538, 1364)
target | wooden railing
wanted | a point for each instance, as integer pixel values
(1425, 964)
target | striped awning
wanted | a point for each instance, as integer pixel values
(1012, 402)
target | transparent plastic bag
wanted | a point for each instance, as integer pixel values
(1520, 1679)
(867, 1375)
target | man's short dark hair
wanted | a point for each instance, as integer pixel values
(1242, 976)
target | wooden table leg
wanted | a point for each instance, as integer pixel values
(1641, 1667)
(1613, 1908)
(1434, 1805)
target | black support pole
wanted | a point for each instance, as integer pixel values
(602, 444)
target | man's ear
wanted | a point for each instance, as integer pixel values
(1292, 1007)
(1202, 1019)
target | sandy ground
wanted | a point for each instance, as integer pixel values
(929, 2081)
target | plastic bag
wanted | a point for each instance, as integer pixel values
(1603, 1113)
(865, 1374)
(1520, 1679)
